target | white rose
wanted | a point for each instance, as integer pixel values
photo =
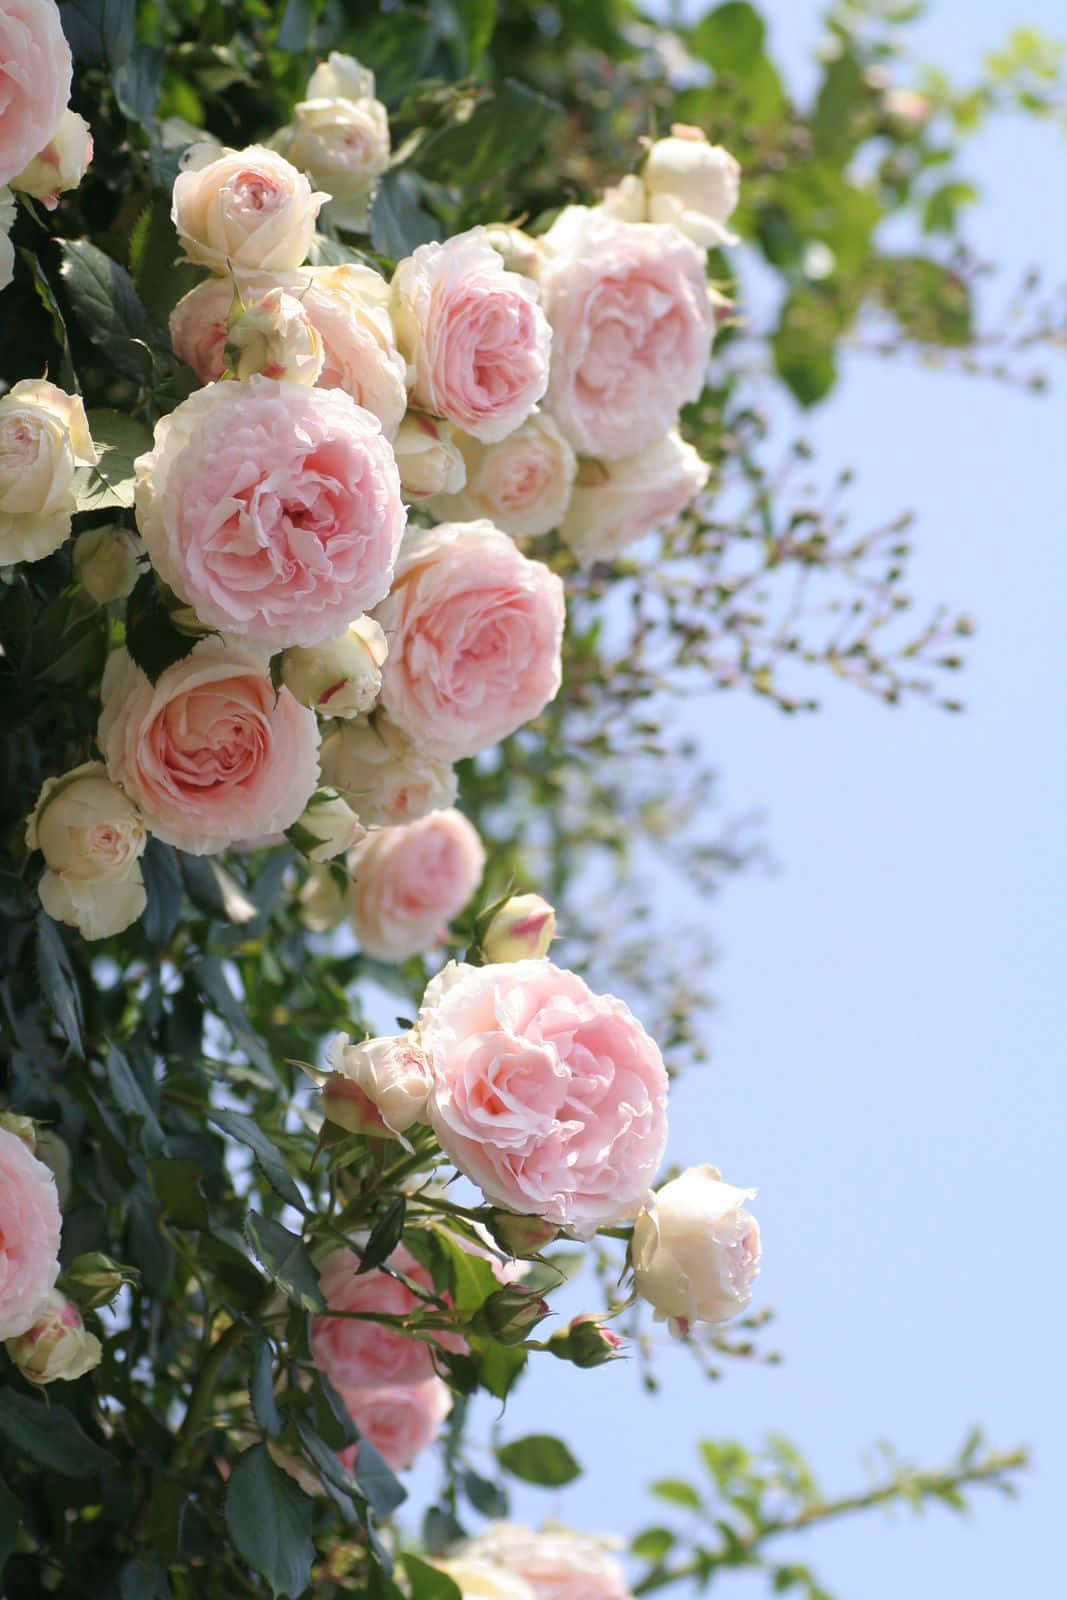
(341, 678)
(343, 146)
(328, 827)
(393, 1074)
(522, 485)
(693, 185)
(273, 334)
(383, 775)
(479, 1580)
(521, 930)
(57, 1346)
(62, 163)
(696, 1250)
(555, 1563)
(91, 837)
(428, 457)
(244, 208)
(627, 201)
(44, 436)
(7, 249)
(107, 562)
(615, 502)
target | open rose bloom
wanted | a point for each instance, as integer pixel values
(243, 209)
(696, 1250)
(557, 1564)
(30, 1226)
(35, 76)
(551, 1098)
(272, 508)
(400, 1421)
(409, 882)
(357, 1354)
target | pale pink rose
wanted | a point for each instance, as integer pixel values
(273, 509)
(475, 630)
(400, 1421)
(35, 75)
(391, 1073)
(483, 1580)
(347, 307)
(62, 163)
(632, 327)
(557, 1565)
(246, 209)
(210, 752)
(30, 1226)
(696, 1250)
(386, 778)
(473, 333)
(367, 1354)
(522, 484)
(409, 882)
(343, 146)
(551, 1098)
(57, 1345)
(614, 503)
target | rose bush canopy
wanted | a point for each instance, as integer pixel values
(384, 450)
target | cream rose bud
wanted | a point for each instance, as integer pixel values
(627, 201)
(340, 77)
(57, 1346)
(341, 678)
(696, 1250)
(44, 437)
(274, 335)
(521, 930)
(343, 145)
(693, 186)
(107, 562)
(614, 503)
(392, 1074)
(91, 837)
(386, 777)
(518, 251)
(328, 828)
(61, 164)
(247, 209)
(7, 249)
(429, 459)
(522, 484)
(321, 900)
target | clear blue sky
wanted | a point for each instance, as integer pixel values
(888, 1060)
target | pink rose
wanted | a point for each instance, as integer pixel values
(409, 882)
(551, 1098)
(209, 752)
(474, 630)
(400, 1421)
(632, 326)
(347, 307)
(557, 1565)
(522, 485)
(35, 74)
(474, 334)
(272, 508)
(30, 1226)
(243, 208)
(614, 503)
(361, 1355)
(62, 163)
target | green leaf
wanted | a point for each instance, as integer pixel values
(429, 1583)
(678, 1493)
(940, 212)
(931, 303)
(160, 278)
(131, 1100)
(652, 1544)
(539, 1458)
(294, 31)
(730, 38)
(398, 223)
(471, 1279)
(211, 981)
(137, 83)
(804, 342)
(10, 1520)
(505, 130)
(269, 1520)
(176, 1182)
(144, 1578)
(499, 1365)
(49, 1434)
(65, 375)
(163, 891)
(120, 440)
(385, 1235)
(99, 30)
(261, 1387)
(151, 637)
(108, 308)
(491, 1499)
(832, 124)
(476, 18)
(58, 985)
(285, 1260)
(215, 890)
(268, 1158)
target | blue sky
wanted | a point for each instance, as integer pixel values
(888, 1056)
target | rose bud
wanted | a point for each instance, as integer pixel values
(274, 335)
(62, 163)
(692, 185)
(519, 251)
(107, 562)
(510, 1315)
(391, 1074)
(429, 459)
(91, 836)
(341, 678)
(57, 1345)
(327, 828)
(23, 1128)
(695, 1250)
(585, 1342)
(95, 1279)
(521, 930)
(322, 899)
(387, 777)
(520, 1236)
